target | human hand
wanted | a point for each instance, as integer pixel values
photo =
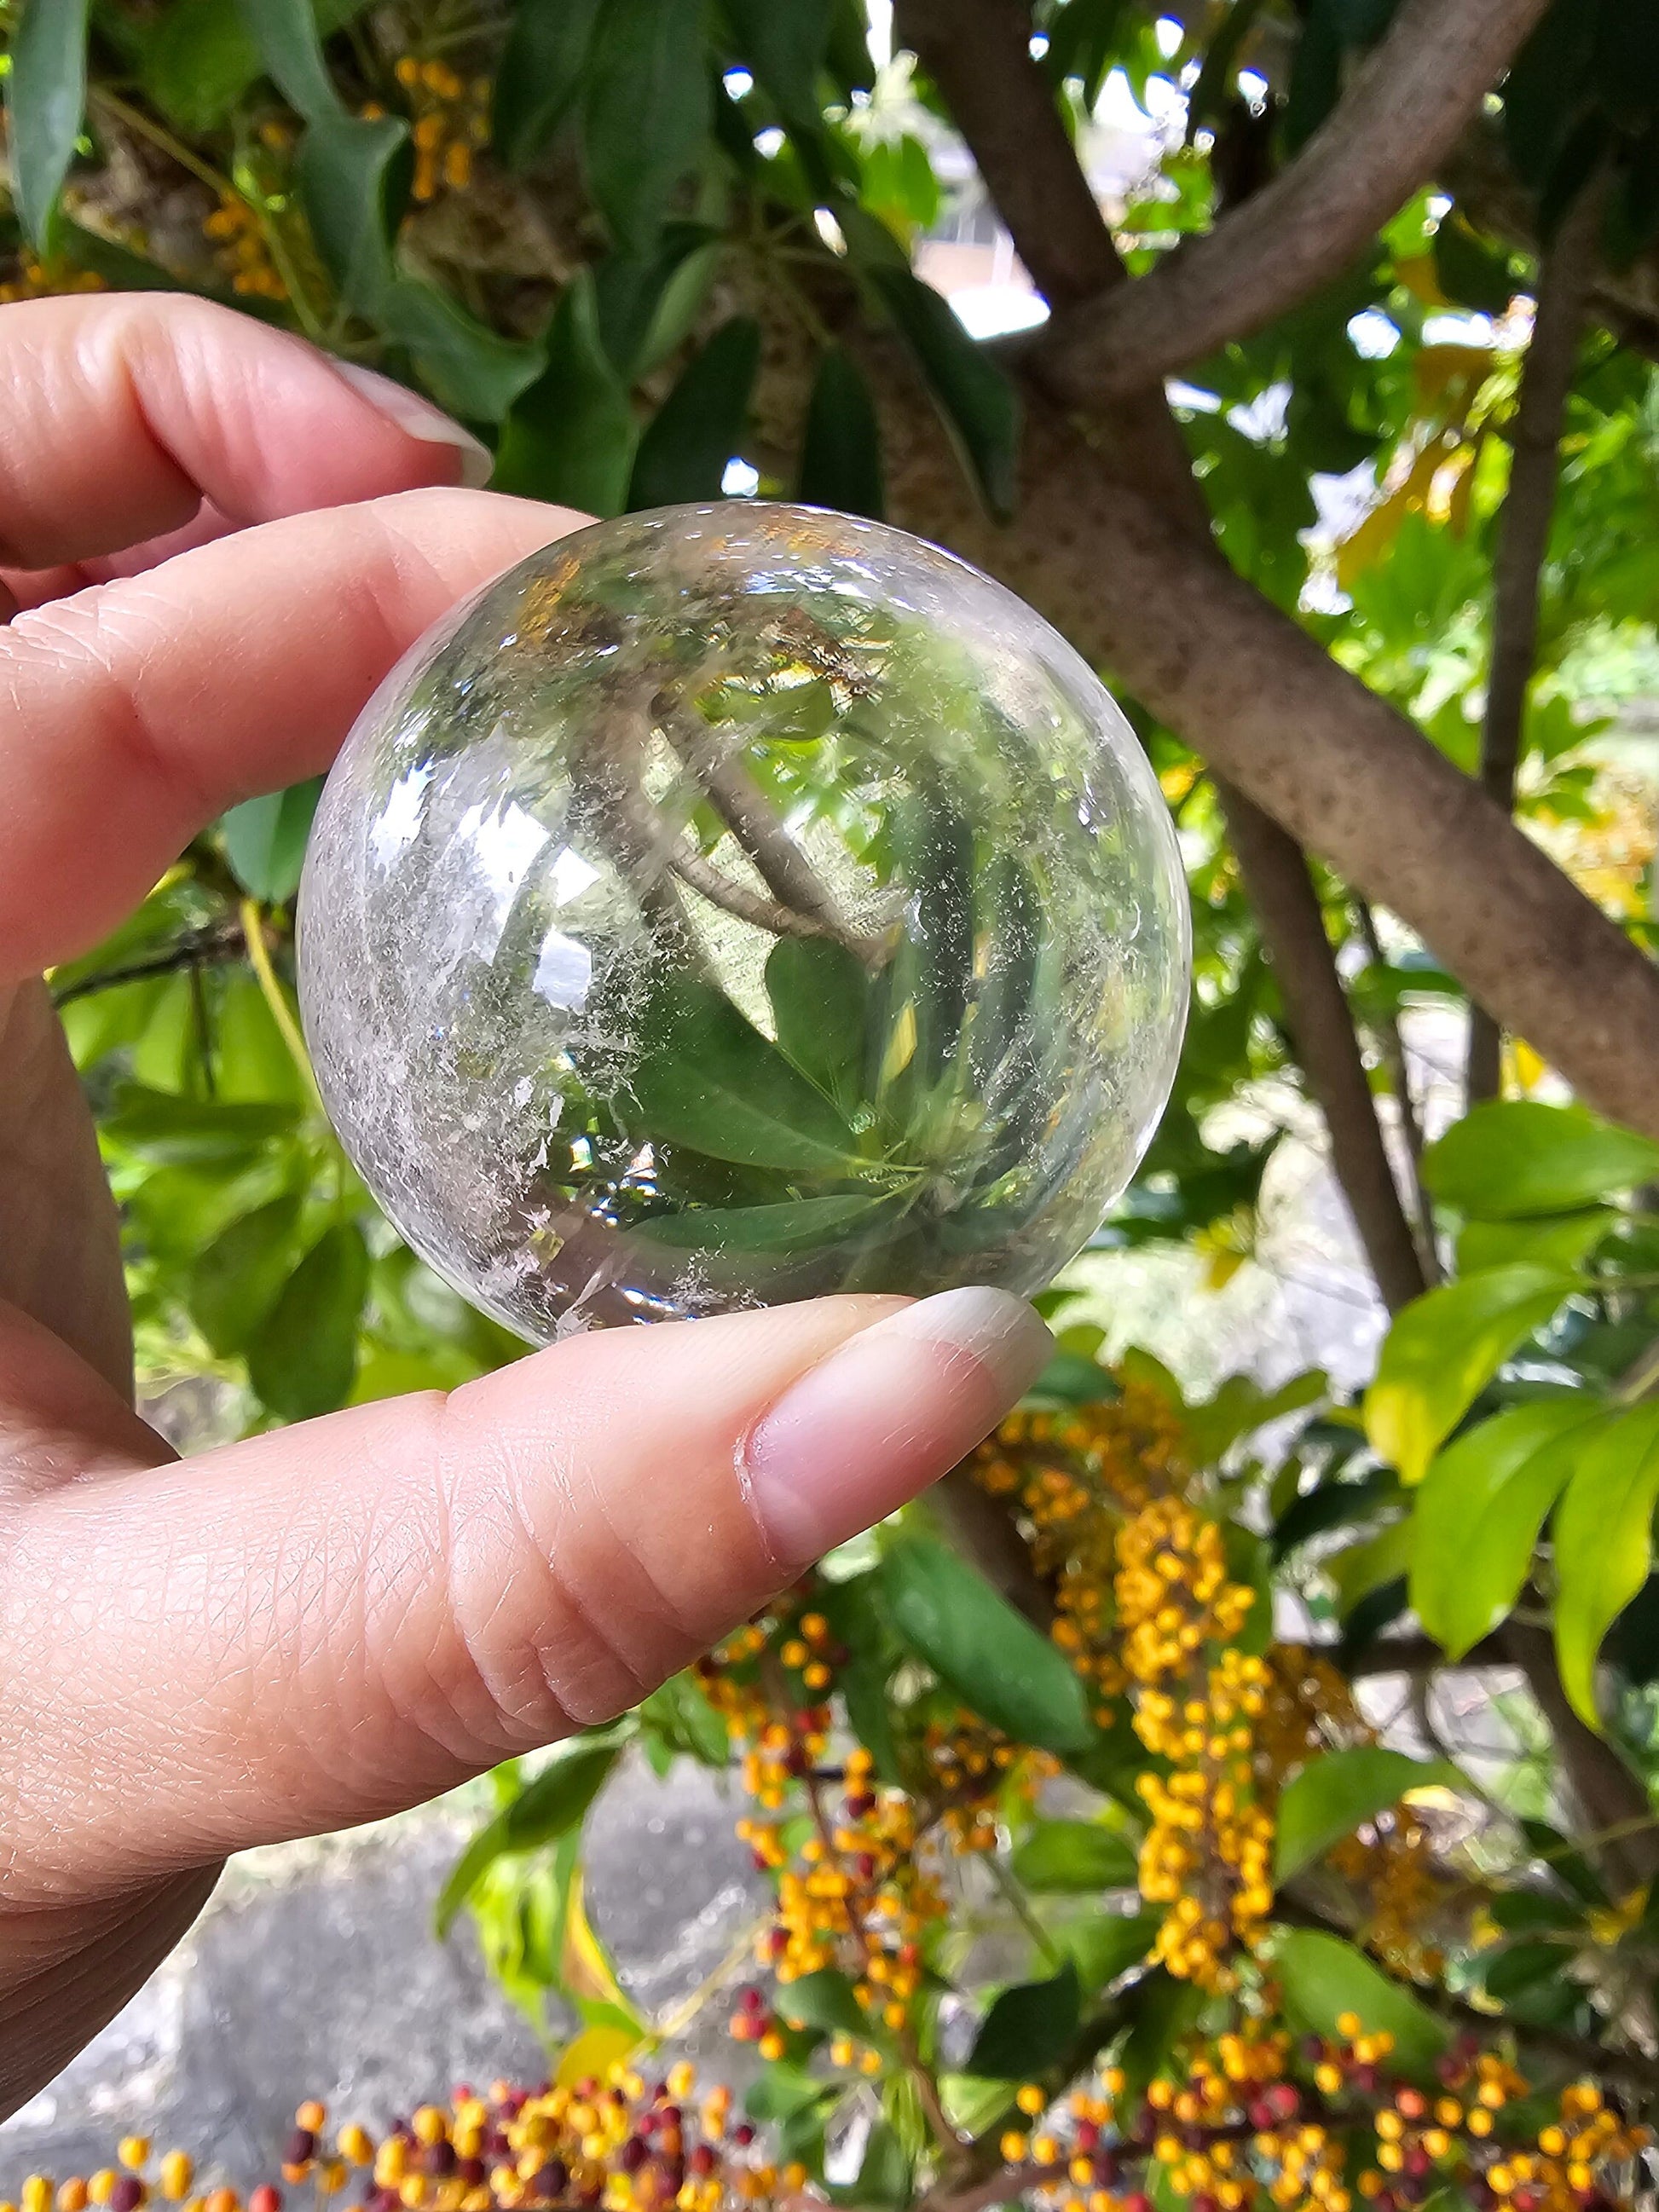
(219, 545)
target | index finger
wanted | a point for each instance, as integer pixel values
(133, 712)
(124, 413)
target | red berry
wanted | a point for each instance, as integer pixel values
(300, 2148)
(1137, 2201)
(743, 2135)
(126, 2193)
(1285, 2100)
(1088, 2135)
(632, 2155)
(264, 2198)
(701, 2160)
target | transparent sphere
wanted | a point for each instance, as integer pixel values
(737, 903)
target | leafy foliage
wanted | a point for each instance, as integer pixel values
(633, 243)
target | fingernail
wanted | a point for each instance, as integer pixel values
(885, 1414)
(419, 418)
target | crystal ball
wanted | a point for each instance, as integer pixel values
(737, 903)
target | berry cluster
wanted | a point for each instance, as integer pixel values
(1208, 1853)
(34, 279)
(1254, 2123)
(862, 1889)
(241, 247)
(450, 120)
(1073, 1476)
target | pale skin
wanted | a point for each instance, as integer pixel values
(211, 548)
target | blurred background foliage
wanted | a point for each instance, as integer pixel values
(655, 250)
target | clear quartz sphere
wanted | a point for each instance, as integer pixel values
(737, 903)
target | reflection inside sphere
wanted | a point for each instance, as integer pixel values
(734, 904)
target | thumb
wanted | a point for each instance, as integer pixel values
(332, 1622)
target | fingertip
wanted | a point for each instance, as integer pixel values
(887, 1413)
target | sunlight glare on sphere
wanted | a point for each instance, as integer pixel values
(737, 903)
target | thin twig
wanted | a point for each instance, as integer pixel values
(1565, 272)
(1403, 109)
(1392, 1046)
(221, 941)
(259, 952)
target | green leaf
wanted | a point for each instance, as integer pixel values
(973, 395)
(265, 840)
(884, 2172)
(1478, 1514)
(539, 76)
(1323, 1977)
(1163, 2009)
(1561, 1240)
(981, 1648)
(570, 436)
(197, 59)
(820, 999)
(238, 1279)
(550, 1807)
(694, 433)
(1241, 1405)
(464, 365)
(646, 305)
(1467, 270)
(1336, 1793)
(302, 1359)
(1029, 2029)
(1075, 1857)
(285, 33)
(825, 2000)
(352, 173)
(708, 1079)
(840, 447)
(188, 1132)
(681, 1714)
(785, 1227)
(1371, 1564)
(646, 112)
(1104, 1945)
(781, 2091)
(1603, 1545)
(46, 100)
(783, 41)
(1518, 1156)
(1444, 1348)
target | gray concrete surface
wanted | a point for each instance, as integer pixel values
(315, 1972)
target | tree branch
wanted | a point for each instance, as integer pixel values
(1392, 1045)
(1609, 1796)
(982, 1529)
(1565, 276)
(1404, 110)
(1293, 929)
(978, 52)
(1332, 763)
(219, 940)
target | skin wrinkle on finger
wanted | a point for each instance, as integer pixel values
(435, 1591)
(60, 1236)
(124, 412)
(244, 665)
(81, 639)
